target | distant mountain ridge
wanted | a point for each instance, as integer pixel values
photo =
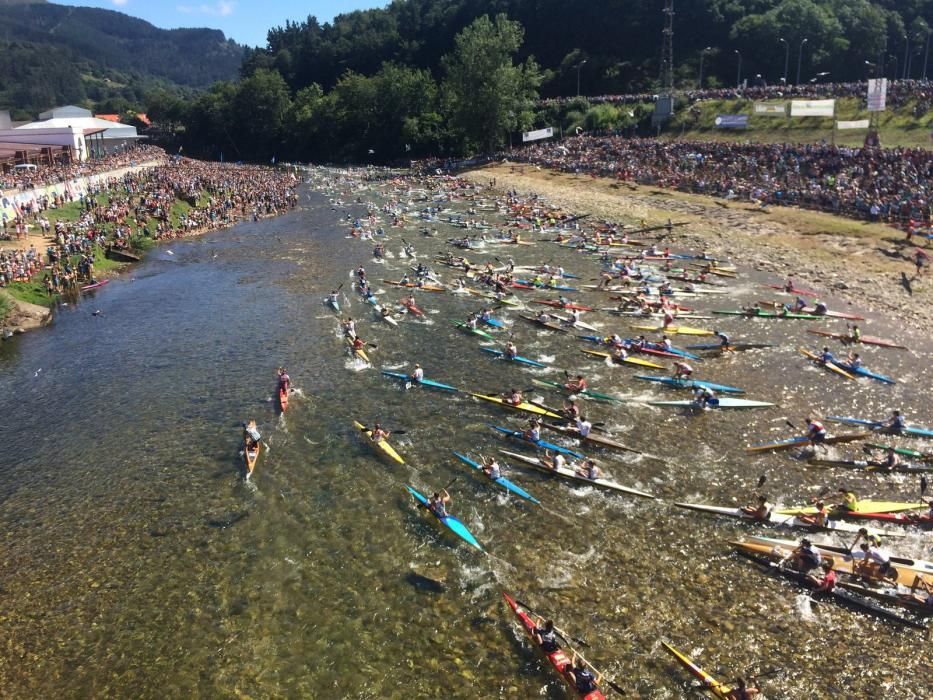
(116, 41)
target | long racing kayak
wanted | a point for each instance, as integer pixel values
(691, 384)
(502, 481)
(475, 331)
(558, 305)
(718, 689)
(912, 431)
(586, 393)
(638, 362)
(518, 358)
(673, 330)
(523, 406)
(906, 452)
(915, 565)
(448, 521)
(558, 660)
(789, 521)
(572, 475)
(865, 339)
(865, 372)
(540, 444)
(732, 346)
(383, 445)
(544, 324)
(767, 314)
(874, 466)
(873, 507)
(802, 441)
(359, 353)
(424, 382)
(725, 402)
(600, 440)
(831, 366)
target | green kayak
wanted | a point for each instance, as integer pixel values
(767, 314)
(589, 393)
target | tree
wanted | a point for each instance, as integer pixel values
(485, 95)
(260, 112)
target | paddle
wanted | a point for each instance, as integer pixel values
(567, 637)
(923, 485)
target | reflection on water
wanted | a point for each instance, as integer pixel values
(138, 563)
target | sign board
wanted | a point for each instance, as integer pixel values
(731, 121)
(663, 110)
(771, 109)
(858, 124)
(812, 108)
(545, 133)
(877, 94)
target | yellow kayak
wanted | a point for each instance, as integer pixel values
(628, 360)
(381, 445)
(361, 353)
(672, 330)
(860, 507)
(717, 688)
(523, 406)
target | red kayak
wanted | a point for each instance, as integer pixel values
(558, 305)
(902, 518)
(413, 309)
(283, 398)
(96, 285)
(864, 340)
(792, 290)
(558, 659)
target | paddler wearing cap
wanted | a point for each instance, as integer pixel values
(417, 375)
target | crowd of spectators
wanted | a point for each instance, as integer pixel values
(13, 178)
(899, 92)
(143, 203)
(889, 185)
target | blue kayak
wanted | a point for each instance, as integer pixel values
(862, 372)
(502, 481)
(875, 424)
(559, 287)
(691, 384)
(448, 521)
(674, 351)
(542, 444)
(424, 382)
(517, 358)
(494, 322)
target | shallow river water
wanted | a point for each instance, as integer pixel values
(138, 563)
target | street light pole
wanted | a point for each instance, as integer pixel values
(786, 57)
(926, 55)
(800, 59)
(738, 74)
(579, 66)
(906, 55)
(702, 56)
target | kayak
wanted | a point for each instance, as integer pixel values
(380, 311)
(865, 339)
(357, 352)
(789, 521)
(475, 331)
(424, 382)
(586, 393)
(832, 314)
(632, 346)
(914, 565)
(529, 284)
(573, 476)
(413, 285)
(412, 308)
(94, 285)
(768, 314)
(842, 562)
(523, 406)
(733, 346)
(840, 595)
(557, 658)
(792, 290)
(718, 689)
(864, 372)
(283, 399)
(600, 440)
(890, 596)
(900, 518)
(628, 360)
(673, 330)
(382, 445)
(541, 444)
(904, 451)
(870, 466)
(251, 457)
(724, 402)
(568, 320)
(448, 521)
(334, 304)
(544, 324)
(502, 481)
(872, 507)
(671, 351)
(876, 425)
(517, 358)
(831, 366)
(802, 441)
(558, 305)
(493, 322)
(691, 384)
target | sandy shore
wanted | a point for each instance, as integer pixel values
(853, 262)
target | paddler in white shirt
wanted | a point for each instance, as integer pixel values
(491, 468)
(875, 557)
(417, 375)
(583, 426)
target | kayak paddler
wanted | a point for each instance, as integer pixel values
(827, 581)
(583, 426)
(805, 557)
(849, 500)
(542, 317)
(760, 510)
(513, 397)
(723, 339)
(546, 637)
(895, 424)
(570, 409)
(377, 434)
(855, 334)
(417, 375)
(437, 503)
(926, 597)
(799, 304)
(682, 370)
(854, 360)
(511, 351)
(589, 470)
(284, 380)
(820, 308)
(864, 534)
(817, 519)
(491, 468)
(332, 298)
(890, 461)
(576, 386)
(666, 344)
(533, 432)
(349, 328)
(826, 356)
(583, 678)
(876, 563)
(816, 431)
(744, 691)
(358, 344)
(704, 397)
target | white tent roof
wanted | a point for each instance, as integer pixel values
(112, 130)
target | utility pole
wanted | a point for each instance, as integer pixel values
(664, 107)
(800, 59)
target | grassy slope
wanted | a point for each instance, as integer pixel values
(898, 128)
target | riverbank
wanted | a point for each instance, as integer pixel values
(855, 262)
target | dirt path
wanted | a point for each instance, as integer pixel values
(854, 262)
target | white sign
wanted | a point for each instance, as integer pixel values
(859, 124)
(538, 135)
(812, 108)
(770, 108)
(877, 94)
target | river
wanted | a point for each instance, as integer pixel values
(139, 563)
